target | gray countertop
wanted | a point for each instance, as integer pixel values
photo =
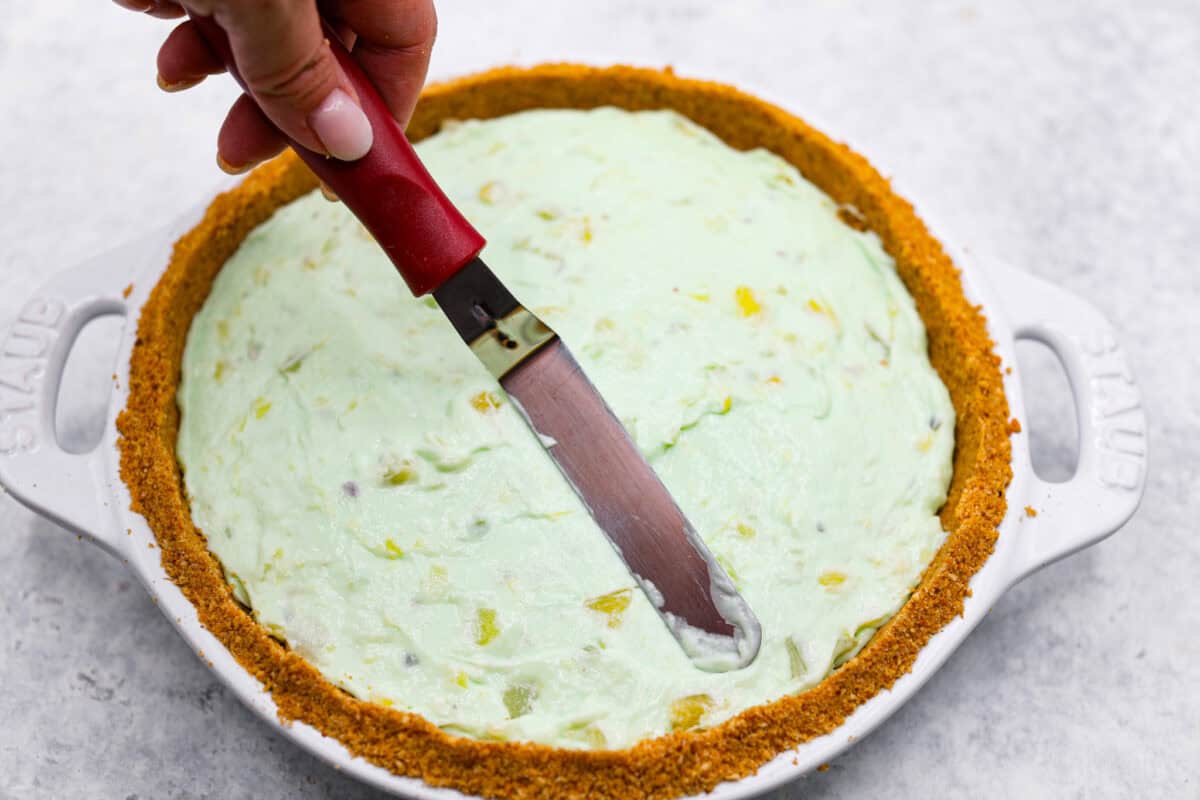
(1061, 137)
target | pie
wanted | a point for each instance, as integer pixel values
(362, 518)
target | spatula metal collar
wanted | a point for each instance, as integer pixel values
(500, 331)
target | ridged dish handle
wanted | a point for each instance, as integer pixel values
(66, 487)
(1110, 478)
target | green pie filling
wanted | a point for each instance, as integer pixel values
(380, 505)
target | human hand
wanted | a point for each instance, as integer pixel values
(284, 58)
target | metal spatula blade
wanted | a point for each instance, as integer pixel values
(593, 451)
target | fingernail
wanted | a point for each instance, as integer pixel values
(328, 193)
(341, 126)
(136, 5)
(230, 169)
(178, 86)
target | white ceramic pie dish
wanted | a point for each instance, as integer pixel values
(84, 493)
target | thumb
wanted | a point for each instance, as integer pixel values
(284, 58)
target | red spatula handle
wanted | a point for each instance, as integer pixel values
(388, 189)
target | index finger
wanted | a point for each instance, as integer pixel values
(393, 43)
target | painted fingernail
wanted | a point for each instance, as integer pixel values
(328, 193)
(230, 169)
(341, 126)
(178, 86)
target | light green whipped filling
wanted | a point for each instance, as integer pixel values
(381, 506)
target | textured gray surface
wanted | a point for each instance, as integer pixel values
(1062, 137)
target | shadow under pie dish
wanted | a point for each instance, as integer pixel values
(695, 756)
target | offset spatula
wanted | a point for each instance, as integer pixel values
(437, 250)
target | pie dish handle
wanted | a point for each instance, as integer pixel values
(63, 486)
(1110, 478)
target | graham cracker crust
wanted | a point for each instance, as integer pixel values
(668, 766)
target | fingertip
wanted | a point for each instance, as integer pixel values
(177, 86)
(328, 193)
(185, 57)
(163, 9)
(247, 137)
(166, 11)
(232, 169)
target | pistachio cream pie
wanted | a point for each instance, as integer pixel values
(366, 521)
